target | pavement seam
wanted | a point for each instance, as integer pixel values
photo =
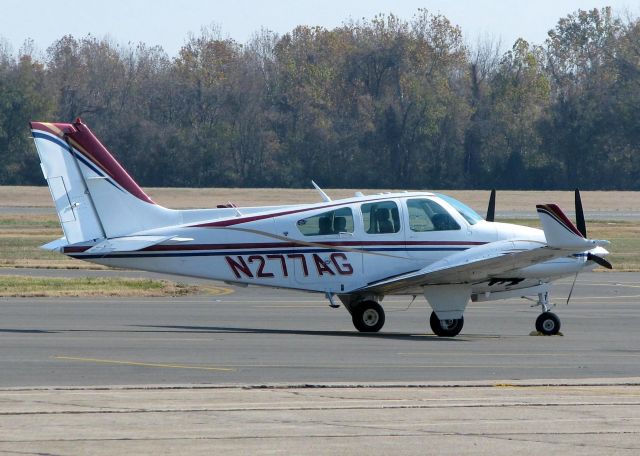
(324, 408)
(631, 382)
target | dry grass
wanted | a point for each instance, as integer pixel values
(183, 198)
(21, 286)
(20, 240)
(22, 234)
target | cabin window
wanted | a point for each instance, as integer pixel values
(327, 223)
(381, 217)
(427, 215)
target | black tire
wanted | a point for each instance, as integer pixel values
(368, 316)
(446, 328)
(548, 324)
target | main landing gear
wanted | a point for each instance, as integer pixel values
(446, 328)
(547, 322)
(368, 316)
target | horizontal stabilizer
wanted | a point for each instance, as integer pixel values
(126, 244)
(56, 245)
(560, 232)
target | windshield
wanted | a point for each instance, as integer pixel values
(469, 214)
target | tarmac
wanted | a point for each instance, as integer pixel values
(583, 418)
(261, 371)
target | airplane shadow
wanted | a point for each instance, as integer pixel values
(26, 331)
(300, 332)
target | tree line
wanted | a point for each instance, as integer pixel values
(385, 103)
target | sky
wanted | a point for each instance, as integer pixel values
(169, 23)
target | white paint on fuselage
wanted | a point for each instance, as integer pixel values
(268, 249)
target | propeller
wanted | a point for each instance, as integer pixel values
(491, 210)
(582, 227)
(601, 261)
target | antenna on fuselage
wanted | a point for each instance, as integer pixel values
(323, 195)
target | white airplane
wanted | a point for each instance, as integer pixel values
(359, 249)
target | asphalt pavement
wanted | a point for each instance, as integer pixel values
(263, 371)
(263, 336)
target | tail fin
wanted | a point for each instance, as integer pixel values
(560, 232)
(94, 196)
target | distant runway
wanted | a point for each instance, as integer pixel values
(259, 336)
(626, 215)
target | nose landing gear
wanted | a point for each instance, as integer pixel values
(547, 322)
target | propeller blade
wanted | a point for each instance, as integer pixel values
(491, 210)
(601, 261)
(580, 223)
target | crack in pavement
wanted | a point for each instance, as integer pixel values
(320, 408)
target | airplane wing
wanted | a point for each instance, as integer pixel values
(474, 265)
(494, 259)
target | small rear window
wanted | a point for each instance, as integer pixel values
(327, 223)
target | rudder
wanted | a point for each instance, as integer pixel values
(78, 216)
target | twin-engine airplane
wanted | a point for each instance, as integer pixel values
(359, 249)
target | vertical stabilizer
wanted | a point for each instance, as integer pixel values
(94, 196)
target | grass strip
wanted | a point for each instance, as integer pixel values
(22, 235)
(24, 286)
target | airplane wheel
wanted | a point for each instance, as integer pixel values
(548, 324)
(368, 316)
(446, 328)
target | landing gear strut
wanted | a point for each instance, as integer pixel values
(368, 316)
(445, 328)
(547, 322)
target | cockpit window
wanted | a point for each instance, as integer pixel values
(332, 222)
(381, 217)
(465, 211)
(427, 215)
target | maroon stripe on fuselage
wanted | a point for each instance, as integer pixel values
(280, 245)
(253, 218)
(76, 248)
(276, 245)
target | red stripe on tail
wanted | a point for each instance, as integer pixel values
(562, 218)
(92, 149)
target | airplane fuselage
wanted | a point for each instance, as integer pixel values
(331, 247)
